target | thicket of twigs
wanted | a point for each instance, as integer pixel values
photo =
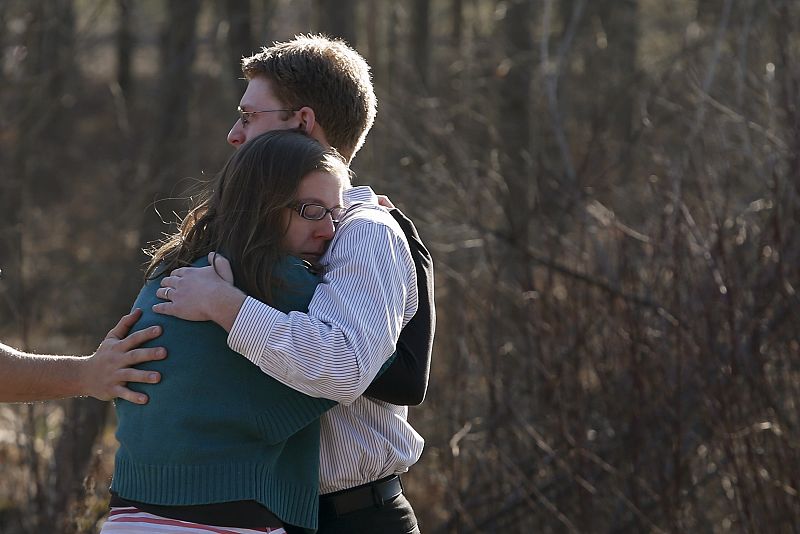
(611, 192)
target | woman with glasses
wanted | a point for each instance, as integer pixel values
(221, 444)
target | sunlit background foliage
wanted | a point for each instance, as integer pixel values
(610, 190)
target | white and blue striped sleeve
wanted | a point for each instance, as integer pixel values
(353, 322)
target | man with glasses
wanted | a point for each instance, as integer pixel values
(372, 291)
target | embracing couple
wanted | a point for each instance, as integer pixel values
(297, 313)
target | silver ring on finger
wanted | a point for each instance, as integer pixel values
(166, 293)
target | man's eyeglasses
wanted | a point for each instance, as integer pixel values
(316, 212)
(244, 116)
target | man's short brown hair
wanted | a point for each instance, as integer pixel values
(326, 75)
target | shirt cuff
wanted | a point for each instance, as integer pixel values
(251, 329)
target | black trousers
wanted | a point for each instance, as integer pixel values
(394, 517)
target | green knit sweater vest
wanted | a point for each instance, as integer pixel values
(216, 428)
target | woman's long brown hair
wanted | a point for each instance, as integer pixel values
(243, 214)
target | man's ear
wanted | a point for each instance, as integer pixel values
(308, 120)
(309, 125)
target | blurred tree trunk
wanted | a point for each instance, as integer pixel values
(503, 336)
(45, 125)
(376, 49)
(239, 42)
(12, 203)
(420, 40)
(457, 14)
(125, 39)
(3, 24)
(51, 49)
(337, 18)
(392, 43)
(266, 10)
(613, 65)
(55, 53)
(788, 79)
(460, 66)
(375, 53)
(513, 112)
(84, 420)
(708, 13)
(38, 126)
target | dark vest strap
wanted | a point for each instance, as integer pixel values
(405, 381)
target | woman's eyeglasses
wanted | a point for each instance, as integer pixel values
(316, 212)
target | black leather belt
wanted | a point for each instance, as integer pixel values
(374, 494)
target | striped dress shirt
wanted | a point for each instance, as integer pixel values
(368, 294)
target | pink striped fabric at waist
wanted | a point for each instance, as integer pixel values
(129, 520)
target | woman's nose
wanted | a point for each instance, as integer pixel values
(325, 227)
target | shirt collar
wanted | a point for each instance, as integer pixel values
(359, 194)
